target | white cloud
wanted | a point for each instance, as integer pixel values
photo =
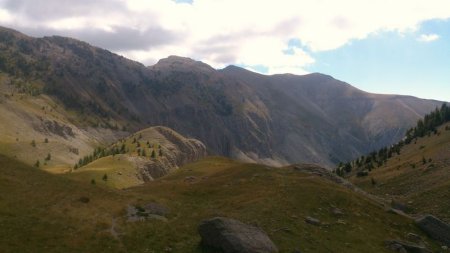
(428, 37)
(222, 32)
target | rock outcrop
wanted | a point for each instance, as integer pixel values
(405, 247)
(184, 150)
(176, 149)
(232, 236)
(435, 228)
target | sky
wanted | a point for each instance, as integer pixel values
(384, 46)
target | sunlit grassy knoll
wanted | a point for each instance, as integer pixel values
(120, 172)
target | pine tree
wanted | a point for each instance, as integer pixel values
(37, 164)
(105, 177)
(153, 154)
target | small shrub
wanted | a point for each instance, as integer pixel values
(84, 200)
(363, 173)
(33, 143)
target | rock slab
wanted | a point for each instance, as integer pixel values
(233, 236)
(405, 247)
(435, 228)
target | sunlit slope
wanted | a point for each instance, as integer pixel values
(420, 175)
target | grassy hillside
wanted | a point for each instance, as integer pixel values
(40, 212)
(33, 125)
(48, 213)
(420, 175)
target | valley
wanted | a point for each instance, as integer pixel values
(99, 153)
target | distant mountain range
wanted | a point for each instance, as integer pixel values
(277, 119)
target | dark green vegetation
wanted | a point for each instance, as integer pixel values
(425, 127)
(135, 146)
(47, 213)
(277, 119)
(418, 177)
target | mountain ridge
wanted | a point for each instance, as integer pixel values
(277, 119)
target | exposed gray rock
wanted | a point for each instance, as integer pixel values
(400, 206)
(157, 209)
(414, 238)
(312, 221)
(336, 211)
(232, 236)
(149, 211)
(435, 228)
(405, 247)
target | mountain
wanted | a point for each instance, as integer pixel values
(50, 213)
(276, 120)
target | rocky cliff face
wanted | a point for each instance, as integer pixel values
(176, 149)
(272, 119)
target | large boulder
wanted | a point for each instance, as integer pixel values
(405, 247)
(435, 228)
(232, 236)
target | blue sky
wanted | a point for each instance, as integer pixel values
(393, 62)
(384, 46)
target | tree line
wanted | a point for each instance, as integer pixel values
(424, 127)
(121, 149)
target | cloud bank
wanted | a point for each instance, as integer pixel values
(221, 32)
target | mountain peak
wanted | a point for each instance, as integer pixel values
(11, 33)
(182, 63)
